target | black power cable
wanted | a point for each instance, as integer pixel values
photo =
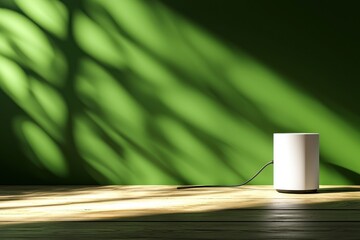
(238, 185)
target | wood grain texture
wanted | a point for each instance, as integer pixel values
(163, 212)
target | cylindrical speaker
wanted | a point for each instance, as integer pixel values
(296, 162)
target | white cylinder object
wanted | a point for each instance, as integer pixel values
(296, 162)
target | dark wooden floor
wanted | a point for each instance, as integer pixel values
(163, 212)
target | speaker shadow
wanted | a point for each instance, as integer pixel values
(338, 189)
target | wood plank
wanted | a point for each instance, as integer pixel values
(81, 203)
(183, 230)
(133, 212)
(237, 215)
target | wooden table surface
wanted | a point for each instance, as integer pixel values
(163, 212)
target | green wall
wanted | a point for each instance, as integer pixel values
(174, 92)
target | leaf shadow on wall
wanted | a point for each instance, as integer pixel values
(148, 97)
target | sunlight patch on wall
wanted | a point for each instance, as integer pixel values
(99, 45)
(186, 76)
(157, 99)
(294, 110)
(51, 102)
(29, 94)
(105, 95)
(51, 15)
(13, 80)
(99, 154)
(45, 150)
(24, 42)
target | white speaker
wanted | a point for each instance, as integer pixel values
(296, 162)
